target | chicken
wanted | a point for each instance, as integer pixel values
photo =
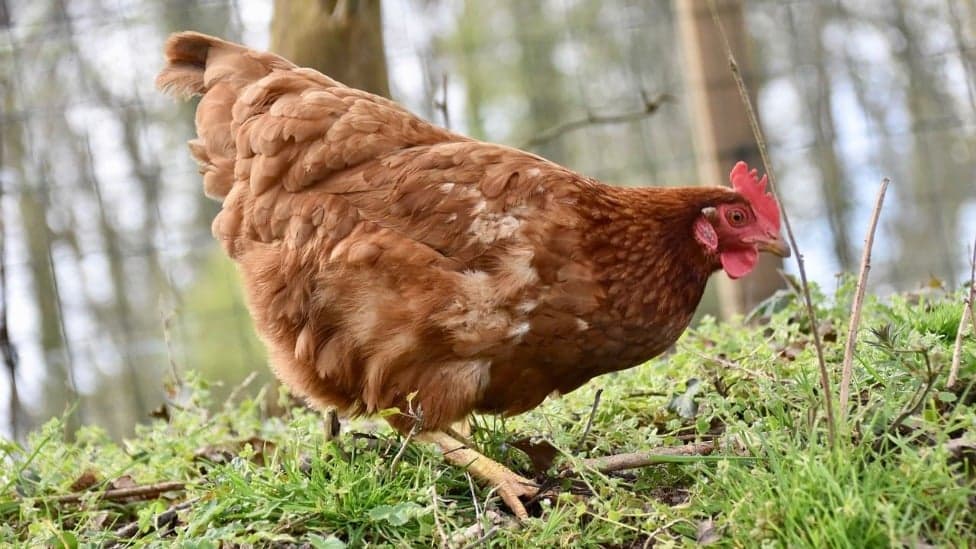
(390, 263)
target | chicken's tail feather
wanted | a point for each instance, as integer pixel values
(186, 63)
(195, 62)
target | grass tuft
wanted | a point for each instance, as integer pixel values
(901, 472)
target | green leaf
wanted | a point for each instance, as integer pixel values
(331, 542)
(64, 540)
(684, 404)
(398, 514)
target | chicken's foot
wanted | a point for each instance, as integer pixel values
(509, 485)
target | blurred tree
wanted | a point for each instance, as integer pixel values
(926, 241)
(816, 86)
(342, 38)
(722, 130)
(542, 83)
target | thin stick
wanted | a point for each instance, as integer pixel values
(651, 105)
(589, 422)
(957, 348)
(474, 496)
(761, 144)
(862, 282)
(967, 314)
(437, 520)
(619, 462)
(149, 491)
(403, 447)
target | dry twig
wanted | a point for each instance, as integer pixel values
(437, 520)
(634, 460)
(805, 286)
(967, 311)
(589, 422)
(148, 491)
(862, 282)
(403, 447)
(651, 105)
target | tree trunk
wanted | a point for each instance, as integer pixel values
(721, 127)
(341, 38)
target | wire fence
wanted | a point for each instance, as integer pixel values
(110, 271)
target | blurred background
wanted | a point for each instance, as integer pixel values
(110, 277)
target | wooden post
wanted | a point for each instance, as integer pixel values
(720, 125)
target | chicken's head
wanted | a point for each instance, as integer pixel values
(737, 231)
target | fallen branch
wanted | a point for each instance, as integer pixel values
(148, 491)
(805, 286)
(862, 282)
(634, 460)
(967, 312)
(651, 105)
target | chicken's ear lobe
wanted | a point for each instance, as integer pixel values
(705, 234)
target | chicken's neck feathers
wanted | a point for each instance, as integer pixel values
(646, 256)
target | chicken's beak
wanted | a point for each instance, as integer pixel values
(776, 246)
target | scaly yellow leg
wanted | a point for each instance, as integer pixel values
(509, 485)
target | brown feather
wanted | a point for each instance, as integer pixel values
(384, 256)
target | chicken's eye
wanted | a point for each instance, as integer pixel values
(736, 217)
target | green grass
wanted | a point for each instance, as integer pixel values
(891, 480)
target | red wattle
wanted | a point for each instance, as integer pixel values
(738, 263)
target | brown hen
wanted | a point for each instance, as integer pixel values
(386, 259)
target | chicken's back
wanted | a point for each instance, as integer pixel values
(385, 257)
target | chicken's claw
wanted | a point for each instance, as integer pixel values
(510, 486)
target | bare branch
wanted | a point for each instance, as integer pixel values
(862, 282)
(619, 462)
(651, 105)
(148, 491)
(805, 286)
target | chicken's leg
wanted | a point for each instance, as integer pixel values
(509, 485)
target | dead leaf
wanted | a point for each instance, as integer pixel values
(125, 481)
(85, 481)
(225, 452)
(540, 451)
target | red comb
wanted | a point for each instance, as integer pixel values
(744, 181)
